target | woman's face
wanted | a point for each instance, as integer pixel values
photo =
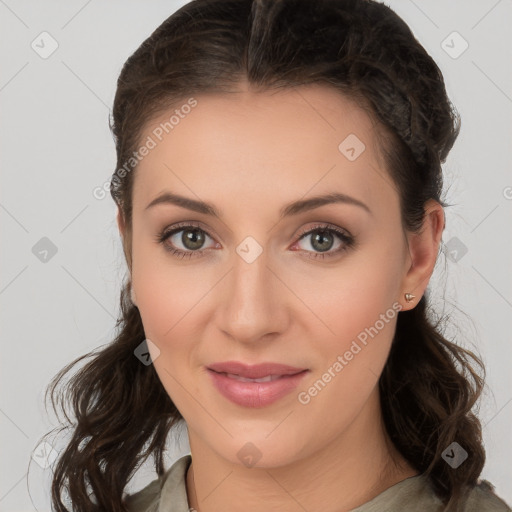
(250, 285)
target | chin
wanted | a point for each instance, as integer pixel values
(259, 451)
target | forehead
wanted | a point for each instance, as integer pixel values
(270, 146)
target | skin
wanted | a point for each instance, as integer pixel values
(249, 154)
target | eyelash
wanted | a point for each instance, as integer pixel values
(347, 239)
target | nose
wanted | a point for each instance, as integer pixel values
(253, 303)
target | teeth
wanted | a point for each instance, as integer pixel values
(268, 378)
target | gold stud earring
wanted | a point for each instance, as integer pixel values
(409, 297)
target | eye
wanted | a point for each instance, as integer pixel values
(323, 238)
(192, 238)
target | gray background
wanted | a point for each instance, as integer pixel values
(57, 147)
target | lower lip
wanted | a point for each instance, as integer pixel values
(255, 394)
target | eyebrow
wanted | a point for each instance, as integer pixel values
(293, 208)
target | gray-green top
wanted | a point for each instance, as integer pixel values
(169, 494)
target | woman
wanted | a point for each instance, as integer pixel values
(279, 187)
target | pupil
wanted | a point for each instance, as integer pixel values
(321, 237)
(192, 239)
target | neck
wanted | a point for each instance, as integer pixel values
(349, 471)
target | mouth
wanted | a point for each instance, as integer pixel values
(255, 392)
(267, 370)
(268, 378)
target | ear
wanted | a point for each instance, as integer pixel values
(120, 222)
(126, 244)
(423, 251)
(125, 237)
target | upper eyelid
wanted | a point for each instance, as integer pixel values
(328, 226)
(176, 228)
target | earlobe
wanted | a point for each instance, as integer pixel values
(120, 222)
(423, 251)
(125, 237)
(121, 226)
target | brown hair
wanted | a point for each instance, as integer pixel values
(365, 51)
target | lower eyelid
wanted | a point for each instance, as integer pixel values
(174, 232)
(345, 239)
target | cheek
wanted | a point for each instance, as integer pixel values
(344, 299)
(359, 307)
(347, 302)
(350, 362)
(167, 292)
(353, 296)
(169, 302)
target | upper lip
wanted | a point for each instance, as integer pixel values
(256, 371)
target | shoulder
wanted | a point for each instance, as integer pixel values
(172, 482)
(417, 493)
(147, 499)
(482, 498)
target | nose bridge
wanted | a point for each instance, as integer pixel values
(250, 273)
(251, 305)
